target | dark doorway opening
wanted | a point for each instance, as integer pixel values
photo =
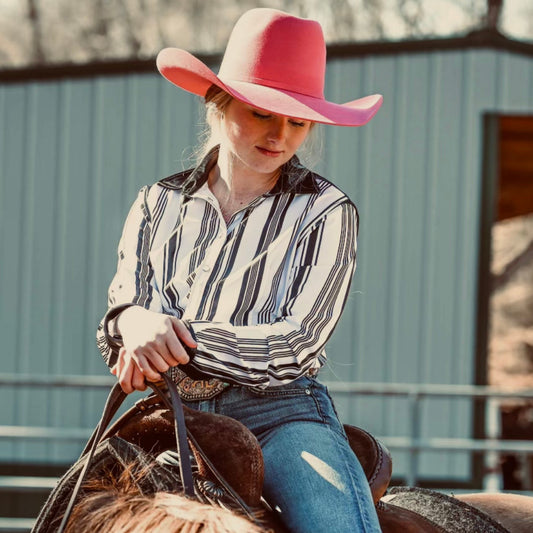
(505, 319)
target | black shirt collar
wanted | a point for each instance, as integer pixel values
(294, 177)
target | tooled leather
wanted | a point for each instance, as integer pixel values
(190, 389)
(149, 425)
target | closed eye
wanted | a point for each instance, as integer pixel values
(297, 124)
(293, 122)
(260, 115)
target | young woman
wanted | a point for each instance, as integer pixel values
(233, 275)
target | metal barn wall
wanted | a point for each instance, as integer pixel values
(74, 152)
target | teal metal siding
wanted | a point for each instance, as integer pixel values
(74, 152)
(416, 177)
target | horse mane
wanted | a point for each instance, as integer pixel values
(114, 502)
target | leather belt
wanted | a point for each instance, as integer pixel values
(191, 389)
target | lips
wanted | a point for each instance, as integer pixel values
(269, 153)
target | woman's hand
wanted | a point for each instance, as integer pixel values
(128, 374)
(153, 342)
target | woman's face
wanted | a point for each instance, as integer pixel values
(259, 142)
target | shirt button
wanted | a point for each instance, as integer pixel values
(206, 268)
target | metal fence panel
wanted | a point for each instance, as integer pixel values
(74, 153)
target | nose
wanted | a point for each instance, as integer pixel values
(278, 129)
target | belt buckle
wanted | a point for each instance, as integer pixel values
(197, 389)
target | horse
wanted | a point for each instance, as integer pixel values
(410, 510)
(116, 503)
(513, 511)
(116, 499)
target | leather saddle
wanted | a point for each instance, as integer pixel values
(225, 441)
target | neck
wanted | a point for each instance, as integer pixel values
(229, 179)
(235, 186)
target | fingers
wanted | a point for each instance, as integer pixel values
(171, 343)
(169, 349)
(138, 380)
(177, 350)
(150, 363)
(134, 367)
(154, 342)
(128, 373)
(183, 332)
(124, 375)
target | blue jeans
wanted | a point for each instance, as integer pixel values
(312, 477)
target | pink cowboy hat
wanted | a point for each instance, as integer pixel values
(273, 61)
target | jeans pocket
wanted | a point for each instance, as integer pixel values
(326, 407)
(332, 403)
(300, 386)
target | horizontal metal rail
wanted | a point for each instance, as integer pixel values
(71, 381)
(27, 483)
(426, 390)
(338, 387)
(414, 443)
(44, 433)
(413, 393)
(401, 443)
(15, 525)
(458, 445)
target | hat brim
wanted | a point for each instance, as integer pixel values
(189, 73)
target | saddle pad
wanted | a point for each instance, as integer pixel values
(447, 512)
(114, 453)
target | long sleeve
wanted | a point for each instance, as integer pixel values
(314, 296)
(262, 293)
(134, 281)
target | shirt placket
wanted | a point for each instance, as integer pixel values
(200, 284)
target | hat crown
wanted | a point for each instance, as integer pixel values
(272, 48)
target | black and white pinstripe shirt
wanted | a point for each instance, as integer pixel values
(262, 293)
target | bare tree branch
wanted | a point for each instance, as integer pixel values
(159, 7)
(37, 50)
(63, 30)
(374, 10)
(131, 34)
(493, 14)
(411, 12)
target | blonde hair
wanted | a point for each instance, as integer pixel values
(116, 503)
(162, 512)
(216, 102)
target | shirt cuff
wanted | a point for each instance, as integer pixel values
(114, 341)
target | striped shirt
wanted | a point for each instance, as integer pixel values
(261, 293)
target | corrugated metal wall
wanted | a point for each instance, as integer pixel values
(73, 154)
